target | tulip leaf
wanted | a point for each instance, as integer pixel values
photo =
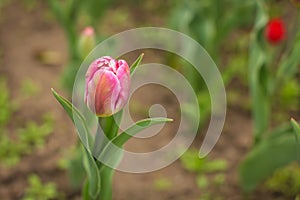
(289, 64)
(136, 64)
(85, 191)
(258, 73)
(93, 175)
(296, 128)
(122, 138)
(265, 158)
(76, 116)
(112, 152)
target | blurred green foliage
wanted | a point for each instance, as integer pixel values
(269, 79)
(30, 88)
(210, 21)
(6, 107)
(69, 15)
(290, 95)
(29, 5)
(191, 161)
(202, 182)
(285, 180)
(72, 161)
(27, 139)
(162, 184)
(209, 173)
(262, 157)
(24, 140)
(40, 191)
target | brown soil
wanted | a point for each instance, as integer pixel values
(21, 36)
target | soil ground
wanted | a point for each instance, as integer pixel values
(22, 35)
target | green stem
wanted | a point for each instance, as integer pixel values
(258, 75)
(106, 175)
(110, 127)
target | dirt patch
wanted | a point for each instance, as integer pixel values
(23, 34)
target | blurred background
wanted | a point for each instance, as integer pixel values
(42, 44)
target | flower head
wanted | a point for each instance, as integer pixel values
(86, 41)
(107, 86)
(275, 31)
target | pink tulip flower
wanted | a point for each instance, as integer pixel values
(107, 86)
(87, 42)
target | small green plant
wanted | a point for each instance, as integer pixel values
(27, 139)
(285, 180)
(202, 181)
(190, 160)
(34, 135)
(40, 191)
(289, 95)
(29, 88)
(204, 167)
(6, 107)
(162, 183)
(72, 162)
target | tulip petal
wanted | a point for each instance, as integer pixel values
(108, 88)
(123, 75)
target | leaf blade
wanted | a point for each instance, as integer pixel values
(136, 63)
(261, 157)
(112, 152)
(75, 116)
(94, 181)
(122, 138)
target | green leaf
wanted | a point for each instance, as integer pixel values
(290, 63)
(202, 181)
(215, 165)
(94, 181)
(111, 152)
(76, 116)
(85, 191)
(265, 158)
(122, 138)
(282, 130)
(258, 73)
(296, 128)
(136, 64)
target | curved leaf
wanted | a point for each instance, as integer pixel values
(112, 152)
(265, 158)
(94, 181)
(122, 138)
(136, 64)
(75, 115)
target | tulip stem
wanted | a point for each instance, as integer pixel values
(110, 127)
(106, 183)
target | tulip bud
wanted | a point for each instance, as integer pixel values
(107, 86)
(275, 31)
(86, 41)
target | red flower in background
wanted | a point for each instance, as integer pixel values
(275, 31)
